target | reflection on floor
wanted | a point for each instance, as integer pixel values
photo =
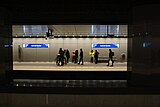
(51, 66)
(71, 83)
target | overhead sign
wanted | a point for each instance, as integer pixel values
(35, 45)
(105, 45)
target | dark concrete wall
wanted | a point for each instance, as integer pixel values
(145, 35)
(5, 45)
(52, 100)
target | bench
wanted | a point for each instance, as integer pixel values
(104, 59)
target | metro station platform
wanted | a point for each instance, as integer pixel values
(51, 66)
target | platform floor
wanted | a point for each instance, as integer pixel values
(51, 66)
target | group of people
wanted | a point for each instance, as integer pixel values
(63, 57)
(75, 56)
(94, 57)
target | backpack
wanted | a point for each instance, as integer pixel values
(112, 53)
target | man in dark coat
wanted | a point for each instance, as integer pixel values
(110, 57)
(81, 57)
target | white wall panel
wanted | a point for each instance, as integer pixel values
(70, 40)
(29, 54)
(84, 40)
(15, 52)
(43, 40)
(65, 43)
(58, 40)
(98, 40)
(42, 54)
(53, 51)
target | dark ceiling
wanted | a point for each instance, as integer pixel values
(71, 11)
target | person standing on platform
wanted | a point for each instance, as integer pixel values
(111, 54)
(96, 53)
(67, 55)
(73, 56)
(19, 53)
(61, 52)
(81, 57)
(91, 55)
(76, 56)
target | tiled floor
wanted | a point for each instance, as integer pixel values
(51, 66)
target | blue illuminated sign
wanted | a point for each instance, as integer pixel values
(36, 45)
(7, 46)
(105, 45)
(147, 44)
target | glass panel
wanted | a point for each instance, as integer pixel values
(35, 29)
(44, 50)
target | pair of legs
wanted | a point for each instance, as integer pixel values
(91, 60)
(75, 59)
(96, 60)
(67, 58)
(81, 60)
(110, 59)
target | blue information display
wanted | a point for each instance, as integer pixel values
(7, 46)
(147, 44)
(105, 45)
(35, 45)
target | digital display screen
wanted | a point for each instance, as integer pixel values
(105, 45)
(35, 45)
